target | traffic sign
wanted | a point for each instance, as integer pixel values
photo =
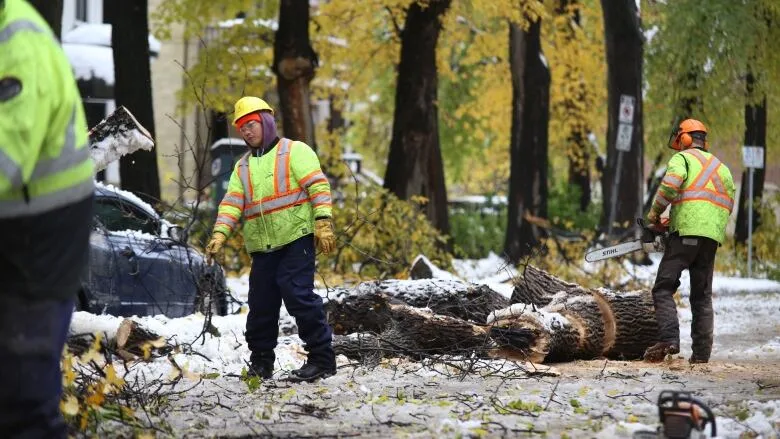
(625, 131)
(626, 114)
(753, 156)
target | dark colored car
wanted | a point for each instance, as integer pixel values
(140, 264)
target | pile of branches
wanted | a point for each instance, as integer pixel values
(545, 320)
(99, 383)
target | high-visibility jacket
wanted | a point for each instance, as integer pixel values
(44, 156)
(278, 193)
(701, 191)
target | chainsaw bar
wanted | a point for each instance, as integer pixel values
(613, 251)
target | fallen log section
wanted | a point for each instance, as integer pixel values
(561, 321)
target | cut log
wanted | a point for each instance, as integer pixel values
(537, 287)
(585, 324)
(117, 135)
(364, 308)
(134, 341)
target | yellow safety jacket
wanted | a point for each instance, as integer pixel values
(278, 194)
(701, 191)
(44, 155)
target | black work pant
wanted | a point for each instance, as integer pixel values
(287, 274)
(697, 254)
(32, 336)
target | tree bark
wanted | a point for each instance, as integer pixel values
(624, 47)
(51, 10)
(133, 89)
(295, 64)
(528, 149)
(414, 165)
(367, 306)
(755, 135)
(538, 287)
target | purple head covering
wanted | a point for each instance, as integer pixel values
(269, 128)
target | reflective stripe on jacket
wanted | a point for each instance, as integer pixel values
(278, 195)
(44, 155)
(701, 191)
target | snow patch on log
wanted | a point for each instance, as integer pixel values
(550, 320)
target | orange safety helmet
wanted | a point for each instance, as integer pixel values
(682, 137)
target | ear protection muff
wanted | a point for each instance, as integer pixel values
(686, 140)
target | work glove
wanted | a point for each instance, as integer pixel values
(324, 238)
(214, 246)
(652, 217)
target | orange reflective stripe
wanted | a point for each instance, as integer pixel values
(282, 167)
(233, 199)
(698, 154)
(321, 199)
(273, 204)
(246, 181)
(709, 196)
(672, 180)
(315, 177)
(229, 220)
(719, 187)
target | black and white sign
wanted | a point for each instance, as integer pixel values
(625, 131)
(626, 114)
(753, 156)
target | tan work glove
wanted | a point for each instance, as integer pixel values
(324, 238)
(214, 246)
(652, 217)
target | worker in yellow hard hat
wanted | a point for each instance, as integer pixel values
(279, 190)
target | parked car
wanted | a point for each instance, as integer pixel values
(140, 264)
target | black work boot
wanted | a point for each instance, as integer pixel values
(310, 372)
(698, 359)
(261, 364)
(657, 352)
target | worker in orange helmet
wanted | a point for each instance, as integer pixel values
(700, 190)
(280, 191)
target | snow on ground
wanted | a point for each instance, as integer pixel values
(495, 398)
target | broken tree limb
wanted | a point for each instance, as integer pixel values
(365, 307)
(117, 135)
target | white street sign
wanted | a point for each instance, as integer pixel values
(753, 156)
(625, 131)
(626, 114)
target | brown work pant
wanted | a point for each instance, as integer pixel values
(697, 254)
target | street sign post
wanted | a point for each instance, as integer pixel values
(753, 158)
(625, 132)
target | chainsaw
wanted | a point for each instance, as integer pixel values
(652, 240)
(682, 417)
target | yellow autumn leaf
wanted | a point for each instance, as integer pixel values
(69, 406)
(632, 418)
(96, 398)
(114, 383)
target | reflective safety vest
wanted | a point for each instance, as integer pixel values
(278, 194)
(44, 155)
(701, 190)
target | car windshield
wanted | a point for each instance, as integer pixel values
(117, 216)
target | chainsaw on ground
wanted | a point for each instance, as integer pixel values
(682, 417)
(652, 240)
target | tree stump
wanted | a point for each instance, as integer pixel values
(134, 341)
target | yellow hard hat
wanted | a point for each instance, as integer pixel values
(249, 104)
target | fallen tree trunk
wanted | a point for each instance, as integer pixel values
(131, 342)
(417, 319)
(365, 307)
(537, 287)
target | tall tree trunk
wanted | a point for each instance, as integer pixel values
(51, 10)
(295, 63)
(624, 47)
(528, 149)
(415, 165)
(578, 148)
(755, 135)
(133, 89)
